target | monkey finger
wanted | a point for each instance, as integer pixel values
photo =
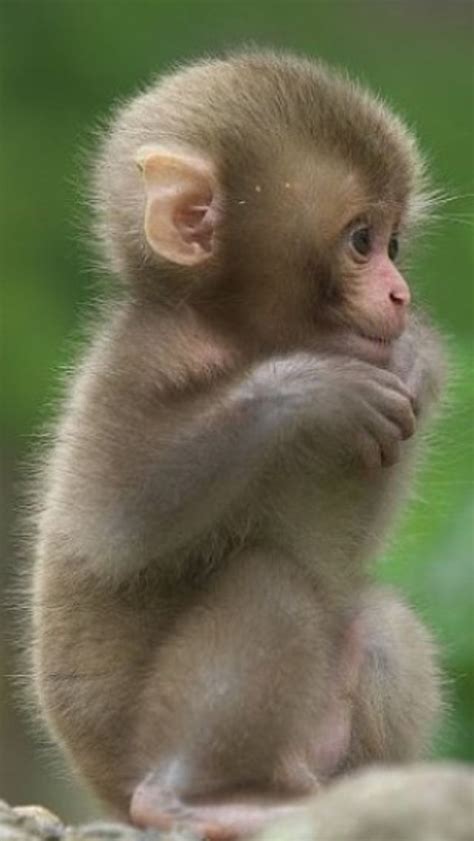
(368, 451)
(392, 381)
(390, 453)
(415, 403)
(400, 412)
(396, 408)
(387, 436)
(407, 390)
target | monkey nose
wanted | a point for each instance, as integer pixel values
(399, 292)
(400, 297)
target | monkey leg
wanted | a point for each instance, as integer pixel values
(278, 695)
(383, 699)
(398, 699)
(240, 708)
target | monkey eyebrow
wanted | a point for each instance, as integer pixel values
(361, 220)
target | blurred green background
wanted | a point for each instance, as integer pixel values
(63, 63)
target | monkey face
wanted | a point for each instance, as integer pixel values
(324, 274)
(366, 303)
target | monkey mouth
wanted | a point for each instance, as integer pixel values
(381, 340)
(352, 341)
(371, 347)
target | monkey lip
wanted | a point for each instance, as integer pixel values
(371, 347)
(382, 340)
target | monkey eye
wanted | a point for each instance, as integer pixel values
(393, 247)
(360, 241)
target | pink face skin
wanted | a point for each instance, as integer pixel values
(378, 298)
(386, 294)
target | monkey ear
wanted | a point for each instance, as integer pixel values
(180, 214)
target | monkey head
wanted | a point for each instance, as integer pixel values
(270, 192)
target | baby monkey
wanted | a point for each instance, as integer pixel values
(209, 646)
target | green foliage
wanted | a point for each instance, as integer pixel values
(64, 62)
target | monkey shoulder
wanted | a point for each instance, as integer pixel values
(145, 362)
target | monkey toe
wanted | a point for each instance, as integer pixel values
(229, 819)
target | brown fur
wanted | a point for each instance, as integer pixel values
(205, 530)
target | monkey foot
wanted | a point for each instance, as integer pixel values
(221, 819)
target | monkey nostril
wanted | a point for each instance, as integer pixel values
(399, 299)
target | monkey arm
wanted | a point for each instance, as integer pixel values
(134, 478)
(131, 484)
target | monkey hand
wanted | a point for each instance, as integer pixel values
(364, 411)
(380, 413)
